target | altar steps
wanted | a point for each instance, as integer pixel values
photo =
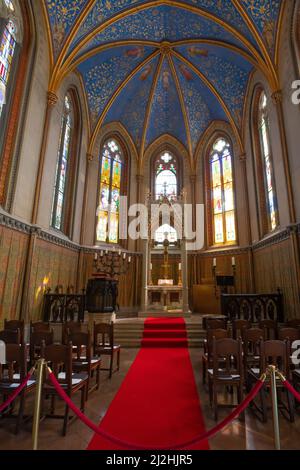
(129, 333)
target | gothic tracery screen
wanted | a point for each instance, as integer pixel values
(112, 162)
(222, 188)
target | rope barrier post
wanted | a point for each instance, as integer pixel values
(272, 371)
(37, 403)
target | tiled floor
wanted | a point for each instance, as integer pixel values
(251, 434)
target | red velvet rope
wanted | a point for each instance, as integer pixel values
(197, 440)
(291, 389)
(17, 391)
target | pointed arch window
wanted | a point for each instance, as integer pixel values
(166, 176)
(267, 163)
(7, 53)
(63, 164)
(222, 193)
(111, 176)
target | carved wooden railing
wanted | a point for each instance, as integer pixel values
(253, 307)
(59, 308)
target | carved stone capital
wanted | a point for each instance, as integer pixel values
(52, 98)
(277, 97)
(193, 178)
(139, 179)
(89, 157)
(243, 157)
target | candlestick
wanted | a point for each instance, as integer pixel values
(101, 254)
(96, 256)
(215, 262)
(233, 261)
(179, 266)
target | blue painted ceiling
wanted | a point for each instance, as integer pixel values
(163, 67)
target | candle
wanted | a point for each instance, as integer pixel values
(179, 266)
(124, 256)
(120, 252)
(106, 252)
(215, 262)
(96, 257)
(151, 266)
(101, 253)
(233, 261)
(129, 259)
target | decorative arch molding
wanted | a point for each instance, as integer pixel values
(164, 142)
(215, 129)
(295, 35)
(118, 130)
(16, 16)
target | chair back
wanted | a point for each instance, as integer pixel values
(270, 328)
(39, 326)
(37, 340)
(218, 333)
(15, 364)
(294, 323)
(10, 336)
(251, 340)
(104, 334)
(274, 352)
(15, 325)
(70, 327)
(214, 324)
(78, 340)
(229, 351)
(291, 334)
(59, 356)
(238, 326)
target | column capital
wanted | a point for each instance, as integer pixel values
(89, 157)
(193, 178)
(243, 157)
(277, 97)
(52, 98)
(139, 178)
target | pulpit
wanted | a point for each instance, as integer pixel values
(101, 299)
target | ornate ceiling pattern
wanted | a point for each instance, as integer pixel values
(160, 67)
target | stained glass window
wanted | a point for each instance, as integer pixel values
(7, 50)
(112, 162)
(271, 202)
(166, 184)
(63, 165)
(222, 188)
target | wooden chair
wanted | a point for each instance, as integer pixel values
(59, 356)
(273, 352)
(228, 372)
(207, 355)
(39, 326)
(36, 341)
(270, 327)
(294, 323)
(10, 336)
(12, 375)
(238, 326)
(104, 344)
(85, 362)
(216, 324)
(70, 327)
(15, 325)
(251, 347)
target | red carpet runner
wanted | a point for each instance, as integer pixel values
(157, 404)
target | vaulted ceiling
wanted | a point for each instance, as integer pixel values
(164, 66)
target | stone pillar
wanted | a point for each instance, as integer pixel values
(25, 312)
(89, 160)
(145, 264)
(51, 102)
(277, 100)
(185, 285)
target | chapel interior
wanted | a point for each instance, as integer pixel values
(149, 221)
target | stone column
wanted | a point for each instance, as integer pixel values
(25, 313)
(51, 102)
(145, 264)
(277, 100)
(184, 267)
(89, 160)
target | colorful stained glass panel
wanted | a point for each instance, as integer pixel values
(102, 226)
(218, 206)
(216, 173)
(105, 170)
(230, 227)
(115, 200)
(219, 233)
(104, 197)
(113, 228)
(116, 176)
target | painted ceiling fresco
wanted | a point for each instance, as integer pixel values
(164, 66)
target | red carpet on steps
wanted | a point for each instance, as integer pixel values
(157, 404)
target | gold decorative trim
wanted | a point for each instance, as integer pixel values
(217, 95)
(52, 98)
(149, 107)
(116, 94)
(49, 34)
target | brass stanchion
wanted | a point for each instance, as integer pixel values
(272, 371)
(37, 404)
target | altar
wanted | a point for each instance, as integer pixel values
(166, 297)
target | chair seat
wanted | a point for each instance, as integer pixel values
(77, 377)
(95, 360)
(107, 348)
(297, 372)
(224, 376)
(13, 385)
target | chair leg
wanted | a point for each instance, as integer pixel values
(291, 406)
(210, 389)
(111, 366)
(20, 414)
(203, 371)
(118, 360)
(215, 400)
(66, 419)
(98, 377)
